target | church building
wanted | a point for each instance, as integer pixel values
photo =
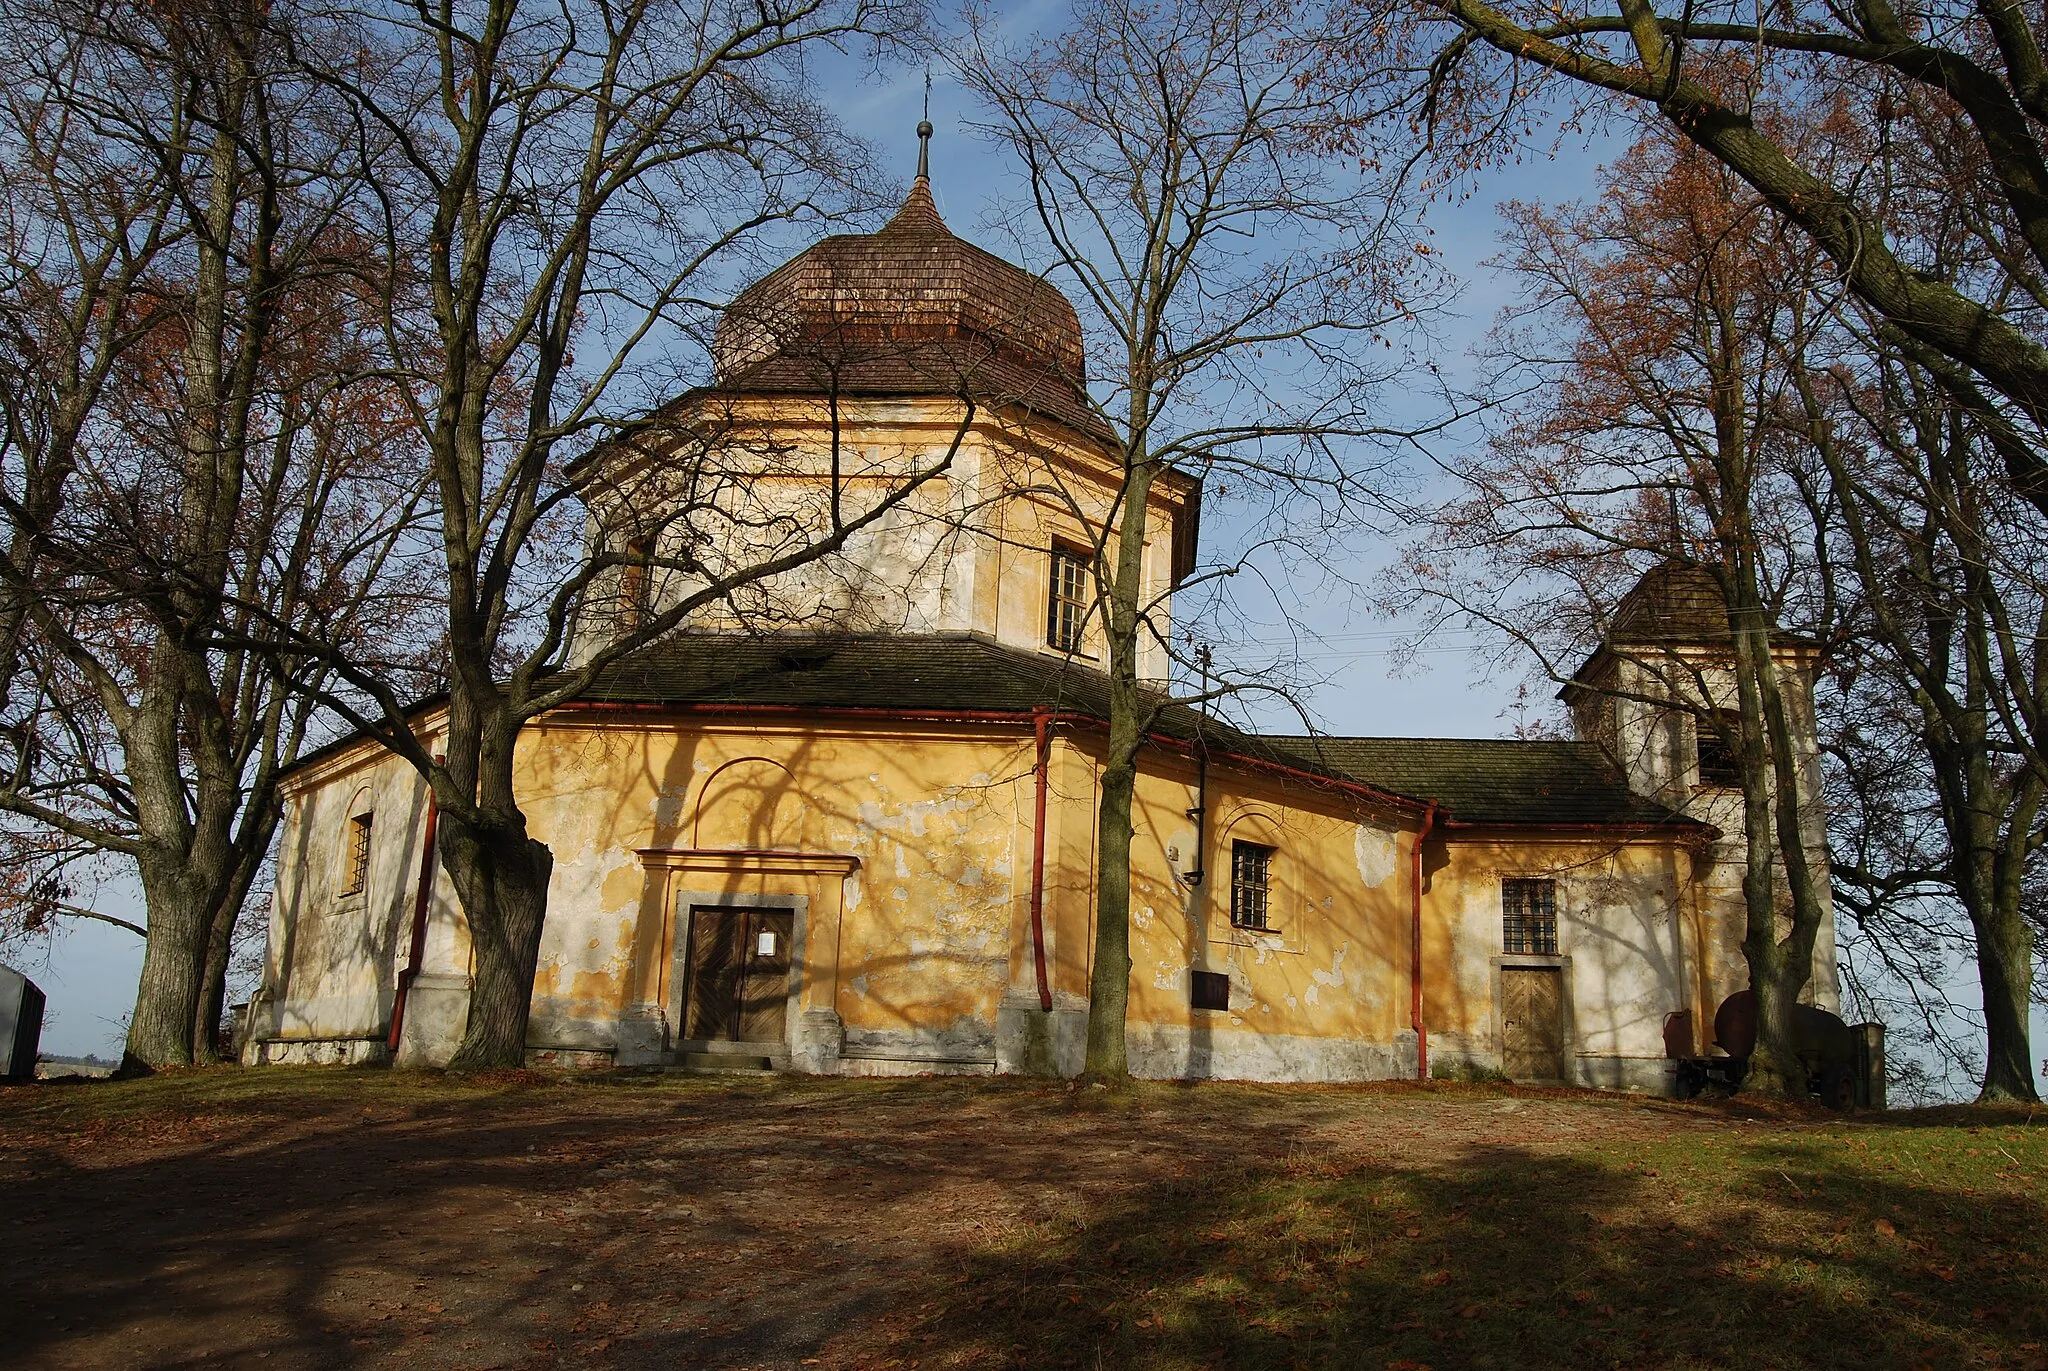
(847, 824)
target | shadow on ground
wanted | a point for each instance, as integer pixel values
(347, 1221)
(1499, 1257)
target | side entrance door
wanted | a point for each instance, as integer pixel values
(1532, 1023)
(737, 985)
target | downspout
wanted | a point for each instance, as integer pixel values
(1415, 964)
(418, 951)
(1200, 813)
(1041, 729)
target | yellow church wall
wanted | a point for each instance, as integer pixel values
(907, 848)
(929, 934)
(1319, 997)
(1627, 947)
(931, 818)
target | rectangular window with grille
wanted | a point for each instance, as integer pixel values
(633, 587)
(1529, 916)
(1718, 740)
(1066, 608)
(358, 855)
(1251, 872)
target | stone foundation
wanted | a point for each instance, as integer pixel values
(1032, 1042)
(568, 1059)
(1636, 1075)
(1201, 1052)
(321, 1052)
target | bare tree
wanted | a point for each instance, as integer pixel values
(182, 467)
(1648, 358)
(1964, 80)
(1720, 402)
(1233, 267)
(1950, 617)
(565, 183)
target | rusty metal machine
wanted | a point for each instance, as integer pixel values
(1844, 1065)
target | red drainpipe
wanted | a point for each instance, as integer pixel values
(1041, 728)
(419, 918)
(1415, 965)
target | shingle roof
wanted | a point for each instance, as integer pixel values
(919, 672)
(909, 309)
(1490, 780)
(950, 368)
(1481, 781)
(1672, 603)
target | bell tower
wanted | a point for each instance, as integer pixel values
(1659, 696)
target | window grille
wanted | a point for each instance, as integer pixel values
(358, 855)
(633, 598)
(1529, 917)
(1251, 870)
(1066, 608)
(1717, 749)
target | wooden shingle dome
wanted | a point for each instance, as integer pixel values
(1672, 603)
(911, 309)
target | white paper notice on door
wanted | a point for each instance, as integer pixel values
(764, 945)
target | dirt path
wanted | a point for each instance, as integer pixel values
(378, 1221)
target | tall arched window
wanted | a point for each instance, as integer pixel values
(354, 874)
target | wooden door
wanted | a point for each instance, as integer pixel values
(737, 984)
(1532, 1023)
(764, 976)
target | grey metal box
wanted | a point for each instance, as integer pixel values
(21, 1025)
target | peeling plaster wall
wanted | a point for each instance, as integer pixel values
(917, 952)
(1623, 940)
(331, 960)
(1321, 996)
(922, 954)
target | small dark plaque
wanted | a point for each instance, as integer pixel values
(1211, 990)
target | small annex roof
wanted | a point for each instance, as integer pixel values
(1488, 781)
(1479, 781)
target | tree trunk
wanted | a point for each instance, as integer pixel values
(1777, 970)
(213, 985)
(220, 941)
(2005, 970)
(501, 876)
(1992, 889)
(1109, 989)
(167, 996)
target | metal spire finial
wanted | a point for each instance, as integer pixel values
(924, 134)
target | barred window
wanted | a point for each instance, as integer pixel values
(1717, 740)
(1251, 872)
(1066, 607)
(358, 855)
(1529, 916)
(633, 598)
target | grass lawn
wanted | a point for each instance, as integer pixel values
(355, 1218)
